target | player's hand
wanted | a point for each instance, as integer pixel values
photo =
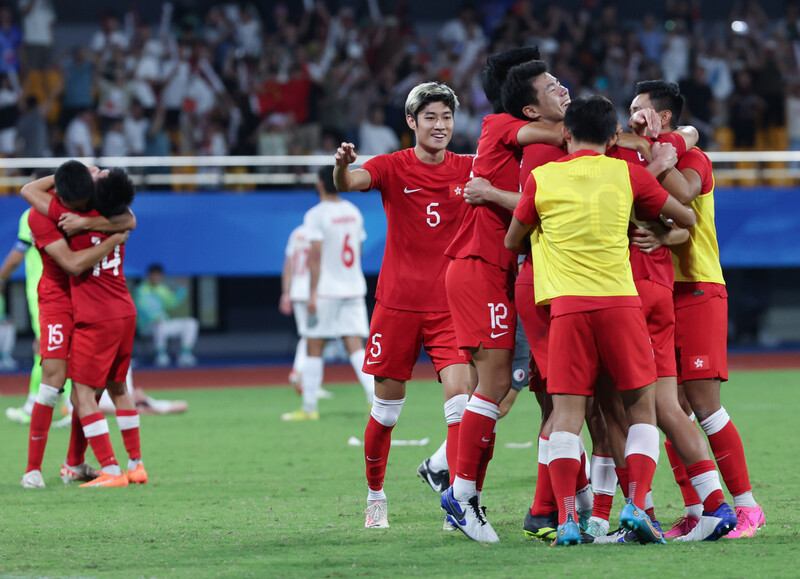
(647, 240)
(285, 305)
(121, 237)
(646, 123)
(665, 154)
(345, 154)
(72, 224)
(478, 191)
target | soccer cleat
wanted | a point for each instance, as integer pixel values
(448, 526)
(748, 521)
(377, 515)
(621, 535)
(137, 476)
(107, 480)
(682, 526)
(438, 479)
(542, 527)
(468, 517)
(323, 394)
(186, 360)
(62, 422)
(569, 533)
(32, 480)
(597, 527)
(162, 360)
(300, 415)
(712, 525)
(18, 415)
(82, 472)
(635, 519)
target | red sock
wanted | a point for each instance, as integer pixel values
(377, 442)
(486, 456)
(641, 469)
(679, 472)
(563, 473)
(544, 501)
(452, 449)
(95, 428)
(474, 436)
(602, 506)
(715, 498)
(76, 453)
(729, 454)
(128, 421)
(41, 417)
(622, 477)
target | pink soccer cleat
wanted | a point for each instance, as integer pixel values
(748, 521)
(682, 526)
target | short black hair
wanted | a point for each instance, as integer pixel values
(325, 175)
(74, 182)
(155, 268)
(113, 193)
(497, 66)
(592, 119)
(518, 91)
(663, 96)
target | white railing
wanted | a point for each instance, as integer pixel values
(265, 171)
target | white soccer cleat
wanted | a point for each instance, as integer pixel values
(84, 472)
(712, 525)
(186, 360)
(33, 480)
(597, 527)
(162, 361)
(377, 515)
(468, 517)
(18, 415)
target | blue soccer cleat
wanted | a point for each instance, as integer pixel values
(569, 533)
(712, 525)
(635, 519)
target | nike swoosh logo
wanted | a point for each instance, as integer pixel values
(51, 348)
(37, 437)
(373, 459)
(407, 190)
(493, 335)
(486, 439)
(369, 363)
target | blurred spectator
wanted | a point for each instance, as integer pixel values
(699, 99)
(746, 108)
(78, 85)
(651, 37)
(32, 130)
(38, 17)
(10, 41)
(374, 137)
(793, 117)
(153, 299)
(108, 38)
(114, 142)
(79, 139)
(10, 94)
(8, 337)
(135, 126)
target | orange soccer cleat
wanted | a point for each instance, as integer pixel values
(137, 476)
(107, 480)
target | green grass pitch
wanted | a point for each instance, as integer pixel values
(234, 492)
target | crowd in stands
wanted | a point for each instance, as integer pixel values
(235, 80)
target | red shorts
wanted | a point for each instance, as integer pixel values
(102, 351)
(55, 334)
(481, 298)
(659, 312)
(701, 334)
(613, 338)
(536, 323)
(396, 337)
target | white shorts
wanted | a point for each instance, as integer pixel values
(337, 318)
(300, 318)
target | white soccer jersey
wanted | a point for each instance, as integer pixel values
(339, 225)
(297, 251)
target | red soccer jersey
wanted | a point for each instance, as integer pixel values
(53, 289)
(656, 265)
(424, 209)
(99, 293)
(484, 227)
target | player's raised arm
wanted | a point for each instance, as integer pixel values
(343, 178)
(536, 132)
(76, 262)
(37, 193)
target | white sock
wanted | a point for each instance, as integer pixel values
(439, 458)
(133, 463)
(463, 489)
(604, 477)
(695, 511)
(376, 495)
(367, 381)
(112, 469)
(312, 382)
(300, 355)
(745, 500)
(706, 483)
